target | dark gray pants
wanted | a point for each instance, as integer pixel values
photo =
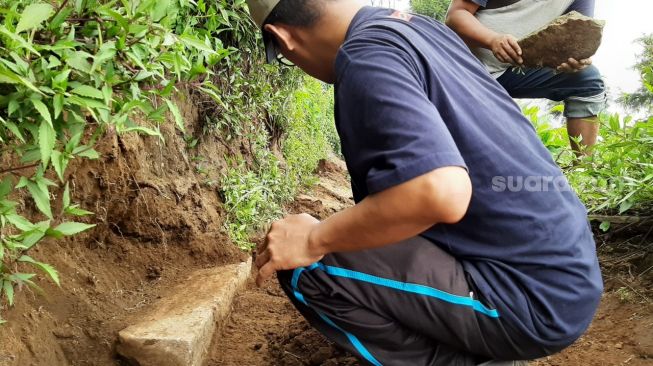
(406, 304)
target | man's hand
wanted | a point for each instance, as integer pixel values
(287, 246)
(572, 65)
(506, 49)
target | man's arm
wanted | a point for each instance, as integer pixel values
(461, 19)
(387, 217)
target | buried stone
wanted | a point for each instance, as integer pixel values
(572, 35)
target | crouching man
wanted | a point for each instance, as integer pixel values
(436, 264)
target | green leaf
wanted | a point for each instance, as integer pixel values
(79, 62)
(76, 211)
(43, 111)
(59, 162)
(9, 77)
(47, 141)
(18, 39)
(87, 91)
(5, 187)
(106, 52)
(72, 228)
(66, 196)
(32, 238)
(605, 226)
(194, 42)
(14, 129)
(89, 153)
(20, 222)
(176, 114)
(8, 289)
(33, 16)
(41, 197)
(57, 102)
(48, 269)
(145, 130)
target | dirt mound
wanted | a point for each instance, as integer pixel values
(569, 36)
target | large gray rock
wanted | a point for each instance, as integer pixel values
(178, 330)
(572, 35)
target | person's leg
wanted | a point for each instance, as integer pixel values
(406, 304)
(583, 93)
(585, 131)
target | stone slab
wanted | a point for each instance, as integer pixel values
(178, 329)
(572, 35)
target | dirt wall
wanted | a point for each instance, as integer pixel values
(158, 216)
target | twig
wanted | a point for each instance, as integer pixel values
(13, 169)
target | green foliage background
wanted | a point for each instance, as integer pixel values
(436, 9)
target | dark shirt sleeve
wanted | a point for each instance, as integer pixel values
(390, 129)
(585, 7)
(482, 3)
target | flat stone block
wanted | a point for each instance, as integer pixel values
(178, 330)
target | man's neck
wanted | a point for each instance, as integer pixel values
(330, 32)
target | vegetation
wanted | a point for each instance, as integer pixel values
(642, 99)
(617, 179)
(436, 9)
(72, 70)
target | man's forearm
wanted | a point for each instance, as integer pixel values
(473, 32)
(396, 214)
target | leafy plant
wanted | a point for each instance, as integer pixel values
(254, 195)
(617, 178)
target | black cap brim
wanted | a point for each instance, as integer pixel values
(271, 51)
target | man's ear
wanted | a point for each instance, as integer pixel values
(282, 35)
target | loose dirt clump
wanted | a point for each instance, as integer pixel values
(572, 35)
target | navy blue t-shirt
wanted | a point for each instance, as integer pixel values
(411, 98)
(585, 7)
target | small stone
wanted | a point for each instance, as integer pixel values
(619, 345)
(572, 35)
